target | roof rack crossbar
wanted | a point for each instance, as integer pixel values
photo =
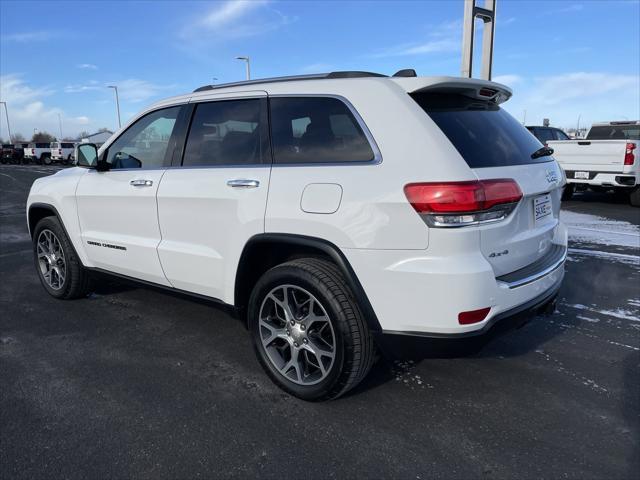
(291, 78)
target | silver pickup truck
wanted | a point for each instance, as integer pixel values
(607, 159)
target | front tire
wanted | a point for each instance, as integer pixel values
(308, 331)
(59, 268)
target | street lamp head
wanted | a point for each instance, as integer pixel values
(242, 58)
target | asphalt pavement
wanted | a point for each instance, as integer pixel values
(136, 383)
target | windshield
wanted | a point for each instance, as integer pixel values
(614, 132)
(483, 133)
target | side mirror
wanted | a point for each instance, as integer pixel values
(87, 155)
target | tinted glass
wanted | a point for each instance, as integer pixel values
(42, 145)
(316, 130)
(544, 134)
(230, 132)
(614, 132)
(144, 144)
(483, 133)
(67, 145)
(560, 135)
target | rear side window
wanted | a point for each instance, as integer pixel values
(614, 132)
(560, 135)
(316, 130)
(483, 133)
(544, 134)
(228, 132)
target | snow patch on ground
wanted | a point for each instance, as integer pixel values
(611, 256)
(621, 313)
(588, 228)
(587, 319)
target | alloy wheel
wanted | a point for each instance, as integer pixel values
(297, 335)
(51, 259)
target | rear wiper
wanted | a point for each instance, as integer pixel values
(542, 152)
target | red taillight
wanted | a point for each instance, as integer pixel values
(628, 155)
(474, 316)
(459, 197)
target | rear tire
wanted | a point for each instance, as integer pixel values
(57, 264)
(316, 354)
(634, 197)
(45, 159)
(568, 192)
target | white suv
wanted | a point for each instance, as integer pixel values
(336, 213)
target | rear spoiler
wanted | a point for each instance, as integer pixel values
(469, 87)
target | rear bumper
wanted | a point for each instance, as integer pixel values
(419, 345)
(611, 179)
(415, 293)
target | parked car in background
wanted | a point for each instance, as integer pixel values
(363, 240)
(6, 155)
(606, 159)
(62, 152)
(39, 152)
(547, 134)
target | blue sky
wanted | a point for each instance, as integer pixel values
(562, 58)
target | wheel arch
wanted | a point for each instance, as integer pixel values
(264, 251)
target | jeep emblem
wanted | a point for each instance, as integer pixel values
(552, 176)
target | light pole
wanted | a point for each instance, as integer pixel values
(115, 88)
(60, 126)
(578, 126)
(247, 61)
(6, 112)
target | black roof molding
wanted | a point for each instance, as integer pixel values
(407, 72)
(292, 78)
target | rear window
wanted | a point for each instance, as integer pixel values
(483, 133)
(67, 145)
(42, 145)
(614, 132)
(316, 130)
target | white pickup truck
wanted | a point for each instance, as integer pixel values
(62, 152)
(607, 159)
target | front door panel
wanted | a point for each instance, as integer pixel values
(119, 222)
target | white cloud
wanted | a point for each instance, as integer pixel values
(442, 39)
(594, 96)
(234, 19)
(27, 109)
(229, 12)
(554, 90)
(508, 80)
(87, 66)
(27, 37)
(317, 68)
(129, 90)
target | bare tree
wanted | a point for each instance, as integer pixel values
(43, 137)
(17, 137)
(83, 134)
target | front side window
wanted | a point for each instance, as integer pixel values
(316, 130)
(145, 143)
(228, 132)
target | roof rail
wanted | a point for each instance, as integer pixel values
(292, 78)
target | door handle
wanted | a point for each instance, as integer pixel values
(243, 183)
(141, 183)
